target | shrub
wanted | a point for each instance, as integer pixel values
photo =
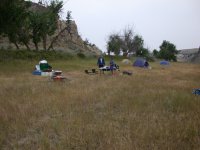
(33, 55)
(81, 55)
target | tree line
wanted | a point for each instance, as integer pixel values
(130, 43)
(22, 25)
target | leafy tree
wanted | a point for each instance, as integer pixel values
(144, 52)
(35, 19)
(49, 20)
(138, 44)
(127, 42)
(44, 23)
(168, 51)
(155, 53)
(132, 43)
(114, 44)
(68, 23)
(68, 28)
(13, 17)
(127, 45)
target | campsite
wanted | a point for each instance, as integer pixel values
(99, 75)
(151, 109)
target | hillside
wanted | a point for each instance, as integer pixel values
(72, 43)
(188, 55)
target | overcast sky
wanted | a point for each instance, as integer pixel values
(177, 21)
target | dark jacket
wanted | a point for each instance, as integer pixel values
(101, 61)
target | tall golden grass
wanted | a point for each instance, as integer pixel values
(152, 109)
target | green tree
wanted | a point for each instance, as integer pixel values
(144, 52)
(68, 23)
(155, 53)
(35, 19)
(44, 23)
(127, 38)
(13, 18)
(168, 51)
(138, 45)
(114, 43)
(68, 28)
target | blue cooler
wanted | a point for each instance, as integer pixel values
(36, 72)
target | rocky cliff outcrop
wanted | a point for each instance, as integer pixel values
(188, 55)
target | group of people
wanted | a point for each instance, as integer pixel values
(101, 64)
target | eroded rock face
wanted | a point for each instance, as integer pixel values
(188, 55)
(63, 39)
(72, 40)
(196, 59)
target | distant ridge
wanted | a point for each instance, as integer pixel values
(188, 55)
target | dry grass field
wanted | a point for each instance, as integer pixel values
(151, 110)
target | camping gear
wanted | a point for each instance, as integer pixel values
(91, 72)
(57, 76)
(46, 74)
(44, 66)
(141, 62)
(164, 63)
(107, 68)
(127, 73)
(196, 91)
(36, 72)
(126, 61)
(37, 67)
(43, 69)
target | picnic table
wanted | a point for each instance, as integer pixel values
(107, 68)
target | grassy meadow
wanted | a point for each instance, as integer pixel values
(154, 109)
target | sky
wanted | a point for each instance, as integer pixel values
(177, 21)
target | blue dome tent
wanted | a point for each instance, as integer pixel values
(141, 62)
(164, 63)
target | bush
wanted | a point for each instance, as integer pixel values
(33, 55)
(81, 55)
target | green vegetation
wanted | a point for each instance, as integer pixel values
(167, 51)
(21, 25)
(9, 55)
(127, 43)
(152, 109)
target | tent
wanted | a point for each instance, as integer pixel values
(141, 62)
(164, 63)
(126, 61)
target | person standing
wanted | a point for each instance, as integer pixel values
(101, 63)
(112, 65)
